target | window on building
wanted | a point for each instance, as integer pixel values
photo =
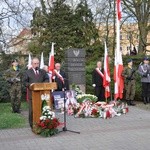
(128, 36)
(120, 48)
(120, 37)
(128, 48)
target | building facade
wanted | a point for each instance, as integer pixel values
(19, 44)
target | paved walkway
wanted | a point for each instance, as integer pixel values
(127, 132)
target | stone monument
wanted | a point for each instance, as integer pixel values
(75, 67)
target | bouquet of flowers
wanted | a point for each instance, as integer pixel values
(77, 89)
(95, 112)
(83, 97)
(48, 123)
(100, 109)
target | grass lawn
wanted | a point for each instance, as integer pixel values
(12, 120)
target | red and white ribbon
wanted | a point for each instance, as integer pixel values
(99, 72)
(59, 75)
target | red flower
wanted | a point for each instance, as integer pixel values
(108, 115)
(42, 124)
(94, 112)
(47, 121)
(50, 127)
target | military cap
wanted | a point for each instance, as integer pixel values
(146, 58)
(129, 60)
(14, 60)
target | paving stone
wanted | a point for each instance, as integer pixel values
(127, 132)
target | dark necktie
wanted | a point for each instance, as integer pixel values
(36, 73)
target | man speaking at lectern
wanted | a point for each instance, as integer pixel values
(34, 75)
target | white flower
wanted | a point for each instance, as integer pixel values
(43, 118)
(42, 97)
(53, 115)
(45, 97)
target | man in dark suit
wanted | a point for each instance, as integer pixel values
(97, 78)
(59, 77)
(34, 75)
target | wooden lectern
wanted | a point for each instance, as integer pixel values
(37, 90)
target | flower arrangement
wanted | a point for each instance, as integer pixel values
(48, 123)
(100, 109)
(88, 106)
(76, 88)
(45, 100)
(83, 97)
(95, 113)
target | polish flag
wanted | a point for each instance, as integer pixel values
(118, 68)
(106, 78)
(42, 61)
(29, 62)
(29, 67)
(51, 59)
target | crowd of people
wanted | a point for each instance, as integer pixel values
(129, 74)
(37, 75)
(15, 78)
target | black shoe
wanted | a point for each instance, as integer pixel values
(145, 100)
(128, 102)
(132, 103)
(18, 111)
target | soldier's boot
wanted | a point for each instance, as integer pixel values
(145, 100)
(148, 100)
(132, 103)
(17, 109)
(128, 102)
(13, 109)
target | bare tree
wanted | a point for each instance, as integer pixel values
(140, 10)
(14, 15)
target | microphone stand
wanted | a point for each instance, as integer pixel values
(64, 129)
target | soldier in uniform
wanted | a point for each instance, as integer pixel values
(13, 76)
(129, 75)
(144, 71)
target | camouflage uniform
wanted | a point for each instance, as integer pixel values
(129, 74)
(14, 79)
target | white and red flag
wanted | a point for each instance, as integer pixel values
(42, 61)
(29, 65)
(106, 77)
(51, 59)
(118, 68)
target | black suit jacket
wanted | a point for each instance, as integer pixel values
(30, 77)
(96, 78)
(60, 84)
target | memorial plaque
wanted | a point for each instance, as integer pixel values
(76, 77)
(75, 66)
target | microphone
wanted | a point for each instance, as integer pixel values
(37, 68)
